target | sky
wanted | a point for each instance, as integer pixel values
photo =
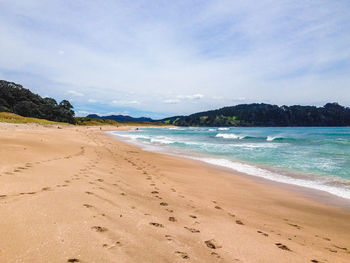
(162, 58)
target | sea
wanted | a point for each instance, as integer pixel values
(312, 157)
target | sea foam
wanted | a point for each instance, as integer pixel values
(230, 136)
(259, 172)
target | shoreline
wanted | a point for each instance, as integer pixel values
(315, 194)
(79, 193)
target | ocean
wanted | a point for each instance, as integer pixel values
(313, 157)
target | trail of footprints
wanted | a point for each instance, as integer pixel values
(155, 193)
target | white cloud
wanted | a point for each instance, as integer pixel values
(287, 52)
(81, 113)
(121, 102)
(171, 101)
(75, 93)
(191, 97)
(92, 100)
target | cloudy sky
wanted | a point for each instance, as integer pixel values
(159, 58)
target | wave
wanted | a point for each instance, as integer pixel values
(175, 128)
(162, 140)
(247, 137)
(223, 129)
(229, 136)
(131, 136)
(343, 191)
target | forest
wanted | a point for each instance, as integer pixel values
(16, 99)
(260, 114)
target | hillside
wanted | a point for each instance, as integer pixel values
(121, 118)
(14, 118)
(331, 114)
(16, 99)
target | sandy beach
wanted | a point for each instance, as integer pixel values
(77, 194)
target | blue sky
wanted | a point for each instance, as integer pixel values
(162, 58)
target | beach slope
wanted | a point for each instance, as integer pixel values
(76, 194)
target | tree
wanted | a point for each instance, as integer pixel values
(66, 105)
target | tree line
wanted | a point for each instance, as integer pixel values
(16, 99)
(260, 114)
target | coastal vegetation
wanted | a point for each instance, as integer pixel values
(14, 118)
(331, 114)
(88, 121)
(16, 99)
(120, 118)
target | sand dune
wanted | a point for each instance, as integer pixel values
(77, 194)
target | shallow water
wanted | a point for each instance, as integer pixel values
(314, 157)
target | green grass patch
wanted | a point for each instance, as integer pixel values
(14, 118)
(86, 121)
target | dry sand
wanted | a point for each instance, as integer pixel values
(78, 195)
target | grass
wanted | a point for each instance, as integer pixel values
(85, 121)
(14, 118)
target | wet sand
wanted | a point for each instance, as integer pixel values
(77, 194)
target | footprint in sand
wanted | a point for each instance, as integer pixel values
(262, 233)
(239, 222)
(283, 247)
(325, 238)
(212, 244)
(192, 230)
(182, 254)
(73, 260)
(163, 204)
(193, 216)
(28, 193)
(156, 224)
(99, 228)
(232, 215)
(172, 219)
(342, 248)
(294, 225)
(215, 254)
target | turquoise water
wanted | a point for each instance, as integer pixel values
(313, 157)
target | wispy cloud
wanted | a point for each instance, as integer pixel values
(75, 93)
(282, 52)
(191, 97)
(127, 102)
(171, 101)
